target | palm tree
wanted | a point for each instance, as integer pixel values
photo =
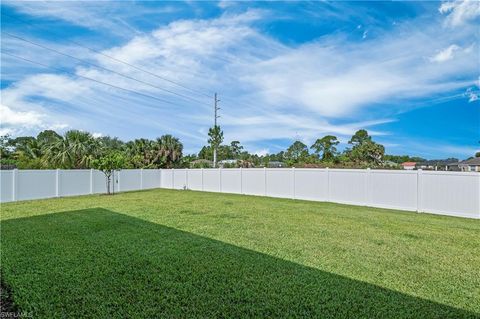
(83, 146)
(140, 152)
(58, 154)
(216, 138)
(31, 149)
(75, 150)
(168, 150)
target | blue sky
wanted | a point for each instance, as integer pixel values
(408, 72)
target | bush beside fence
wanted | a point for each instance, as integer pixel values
(447, 193)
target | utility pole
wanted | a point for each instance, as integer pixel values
(216, 108)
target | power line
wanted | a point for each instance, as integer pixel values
(101, 67)
(129, 64)
(115, 59)
(90, 79)
(126, 63)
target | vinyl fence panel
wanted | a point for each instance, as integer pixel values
(311, 184)
(6, 186)
(231, 180)
(150, 178)
(453, 193)
(392, 189)
(73, 182)
(253, 181)
(180, 178)
(211, 180)
(347, 186)
(99, 184)
(195, 179)
(36, 184)
(167, 178)
(129, 179)
(279, 182)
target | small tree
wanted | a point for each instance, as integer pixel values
(326, 146)
(108, 164)
(296, 153)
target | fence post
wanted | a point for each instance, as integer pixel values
(293, 183)
(14, 184)
(160, 170)
(419, 190)
(220, 178)
(241, 180)
(186, 178)
(328, 183)
(141, 178)
(57, 182)
(478, 175)
(173, 178)
(202, 177)
(265, 181)
(118, 179)
(91, 181)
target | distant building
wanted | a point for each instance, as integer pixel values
(409, 165)
(470, 165)
(453, 166)
(436, 165)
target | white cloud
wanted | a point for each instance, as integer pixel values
(445, 54)
(12, 117)
(224, 4)
(473, 97)
(97, 134)
(105, 16)
(460, 12)
(15, 122)
(268, 90)
(472, 94)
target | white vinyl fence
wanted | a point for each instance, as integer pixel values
(36, 184)
(447, 193)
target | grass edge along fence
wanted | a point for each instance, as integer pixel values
(445, 193)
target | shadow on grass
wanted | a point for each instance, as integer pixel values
(97, 263)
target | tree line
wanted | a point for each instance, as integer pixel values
(81, 150)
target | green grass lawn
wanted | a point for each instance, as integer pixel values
(166, 253)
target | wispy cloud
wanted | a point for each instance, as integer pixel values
(460, 12)
(269, 90)
(445, 54)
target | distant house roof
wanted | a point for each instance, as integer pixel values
(409, 163)
(472, 161)
(439, 162)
